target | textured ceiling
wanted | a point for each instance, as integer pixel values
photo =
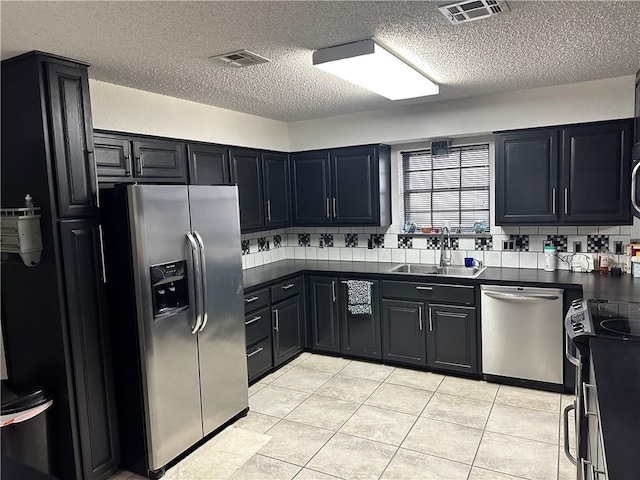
(163, 47)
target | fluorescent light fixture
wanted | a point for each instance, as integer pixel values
(371, 66)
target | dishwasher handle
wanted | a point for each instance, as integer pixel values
(520, 297)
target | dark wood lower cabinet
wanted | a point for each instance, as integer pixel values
(325, 329)
(403, 334)
(451, 338)
(360, 332)
(287, 329)
(89, 337)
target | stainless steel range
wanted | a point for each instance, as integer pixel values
(587, 319)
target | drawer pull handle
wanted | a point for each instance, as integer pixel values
(287, 287)
(565, 417)
(253, 320)
(585, 389)
(251, 299)
(249, 355)
(421, 287)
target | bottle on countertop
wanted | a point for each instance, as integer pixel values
(604, 261)
(28, 201)
(550, 258)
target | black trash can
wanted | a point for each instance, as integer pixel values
(23, 422)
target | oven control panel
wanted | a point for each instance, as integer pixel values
(578, 319)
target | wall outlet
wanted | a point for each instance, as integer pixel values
(618, 248)
(577, 247)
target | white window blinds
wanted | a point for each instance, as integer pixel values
(450, 188)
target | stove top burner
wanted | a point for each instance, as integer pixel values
(622, 326)
(624, 309)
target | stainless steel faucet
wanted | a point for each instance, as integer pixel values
(443, 261)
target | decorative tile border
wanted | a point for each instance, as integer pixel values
(245, 247)
(433, 243)
(277, 241)
(351, 240)
(327, 239)
(484, 243)
(263, 245)
(597, 243)
(560, 242)
(377, 240)
(405, 241)
(453, 243)
(304, 240)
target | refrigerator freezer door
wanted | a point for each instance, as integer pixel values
(222, 347)
(159, 219)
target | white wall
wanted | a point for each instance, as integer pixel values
(125, 109)
(575, 103)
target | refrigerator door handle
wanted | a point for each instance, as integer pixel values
(197, 277)
(203, 281)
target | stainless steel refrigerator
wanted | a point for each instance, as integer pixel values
(174, 276)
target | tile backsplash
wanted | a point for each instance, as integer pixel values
(514, 247)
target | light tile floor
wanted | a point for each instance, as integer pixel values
(322, 417)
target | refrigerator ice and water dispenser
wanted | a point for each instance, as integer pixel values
(169, 288)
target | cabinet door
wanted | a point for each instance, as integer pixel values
(113, 156)
(403, 335)
(88, 332)
(287, 329)
(160, 159)
(72, 138)
(452, 338)
(325, 331)
(208, 165)
(354, 180)
(527, 178)
(360, 332)
(596, 169)
(248, 176)
(311, 189)
(275, 167)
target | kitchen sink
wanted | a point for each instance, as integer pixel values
(448, 271)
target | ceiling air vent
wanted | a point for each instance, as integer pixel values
(241, 58)
(462, 12)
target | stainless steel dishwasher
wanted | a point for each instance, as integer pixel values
(522, 332)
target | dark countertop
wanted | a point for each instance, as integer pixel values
(617, 368)
(594, 285)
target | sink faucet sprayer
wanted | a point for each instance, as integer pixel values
(444, 261)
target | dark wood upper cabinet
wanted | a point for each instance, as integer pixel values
(311, 188)
(595, 173)
(571, 175)
(344, 186)
(128, 158)
(159, 159)
(354, 190)
(275, 168)
(527, 177)
(208, 164)
(72, 131)
(113, 156)
(247, 169)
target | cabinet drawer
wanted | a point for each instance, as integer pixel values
(255, 300)
(258, 325)
(429, 292)
(259, 358)
(286, 289)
